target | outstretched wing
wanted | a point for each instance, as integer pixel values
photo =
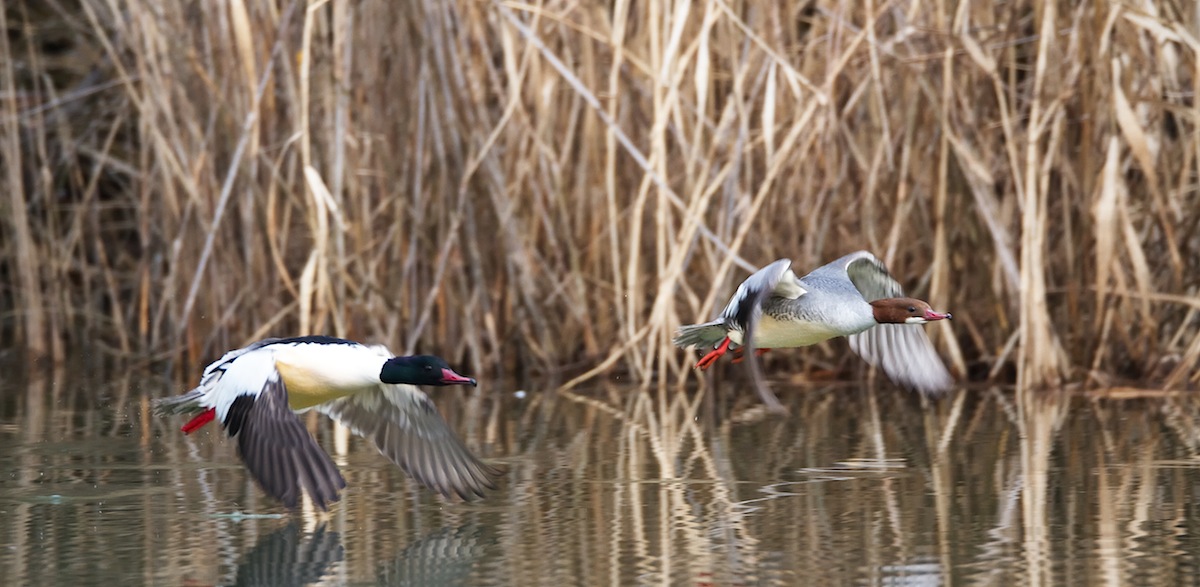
(278, 450)
(744, 310)
(868, 274)
(775, 279)
(905, 355)
(405, 426)
(903, 352)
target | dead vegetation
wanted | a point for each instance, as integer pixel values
(559, 185)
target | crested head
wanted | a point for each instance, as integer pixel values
(905, 311)
(421, 370)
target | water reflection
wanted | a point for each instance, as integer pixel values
(619, 486)
(447, 556)
(289, 557)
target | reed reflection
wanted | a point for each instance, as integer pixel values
(614, 485)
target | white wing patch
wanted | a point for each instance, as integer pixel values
(245, 376)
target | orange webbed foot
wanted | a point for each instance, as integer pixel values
(707, 360)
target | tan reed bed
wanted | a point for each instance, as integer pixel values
(555, 187)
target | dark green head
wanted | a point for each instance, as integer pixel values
(421, 370)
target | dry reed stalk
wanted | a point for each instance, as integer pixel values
(539, 188)
(23, 251)
(1037, 358)
(939, 283)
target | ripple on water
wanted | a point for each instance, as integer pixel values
(627, 487)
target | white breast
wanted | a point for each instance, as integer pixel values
(333, 366)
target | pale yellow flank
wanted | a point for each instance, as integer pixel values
(308, 384)
(772, 333)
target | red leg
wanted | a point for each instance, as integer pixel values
(740, 357)
(707, 360)
(200, 420)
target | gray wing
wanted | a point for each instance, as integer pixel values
(406, 427)
(905, 355)
(278, 450)
(902, 351)
(745, 309)
(775, 279)
(868, 274)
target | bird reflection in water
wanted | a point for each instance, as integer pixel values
(288, 556)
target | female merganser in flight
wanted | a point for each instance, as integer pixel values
(256, 391)
(854, 296)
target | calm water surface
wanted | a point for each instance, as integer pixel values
(615, 486)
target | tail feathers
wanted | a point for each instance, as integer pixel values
(188, 403)
(706, 335)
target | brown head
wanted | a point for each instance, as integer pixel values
(905, 311)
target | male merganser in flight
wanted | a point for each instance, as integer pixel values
(854, 296)
(256, 391)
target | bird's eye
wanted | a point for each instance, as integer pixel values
(912, 309)
(429, 367)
